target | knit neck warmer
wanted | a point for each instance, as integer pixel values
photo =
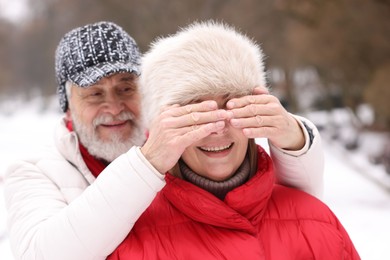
(217, 188)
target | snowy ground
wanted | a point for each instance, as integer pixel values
(357, 191)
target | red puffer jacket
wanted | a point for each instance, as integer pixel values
(259, 220)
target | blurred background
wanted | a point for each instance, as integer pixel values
(320, 55)
(327, 60)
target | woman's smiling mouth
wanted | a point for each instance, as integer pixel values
(215, 149)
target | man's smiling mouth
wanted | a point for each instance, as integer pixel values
(114, 124)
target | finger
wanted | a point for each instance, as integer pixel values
(259, 132)
(194, 134)
(169, 107)
(249, 122)
(204, 106)
(260, 90)
(255, 109)
(196, 118)
(247, 100)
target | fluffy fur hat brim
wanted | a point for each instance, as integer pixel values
(205, 58)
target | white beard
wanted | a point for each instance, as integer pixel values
(116, 145)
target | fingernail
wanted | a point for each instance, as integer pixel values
(220, 124)
(234, 122)
(212, 105)
(230, 104)
(247, 132)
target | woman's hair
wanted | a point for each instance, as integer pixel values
(252, 155)
(205, 58)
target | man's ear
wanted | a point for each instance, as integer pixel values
(68, 115)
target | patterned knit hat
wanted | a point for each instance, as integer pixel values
(89, 53)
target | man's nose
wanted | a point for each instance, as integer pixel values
(113, 104)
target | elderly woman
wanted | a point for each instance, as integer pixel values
(220, 200)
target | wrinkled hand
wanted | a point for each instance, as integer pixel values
(177, 127)
(261, 115)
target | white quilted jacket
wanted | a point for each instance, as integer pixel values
(58, 210)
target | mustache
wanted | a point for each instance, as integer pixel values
(107, 118)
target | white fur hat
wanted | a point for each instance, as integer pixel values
(205, 58)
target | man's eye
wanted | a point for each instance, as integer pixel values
(95, 94)
(127, 90)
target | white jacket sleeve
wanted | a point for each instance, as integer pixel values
(303, 169)
(43, 226)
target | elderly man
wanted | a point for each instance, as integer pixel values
(74, 200)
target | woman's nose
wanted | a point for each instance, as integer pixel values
(224, 129)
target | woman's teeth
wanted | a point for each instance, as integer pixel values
(216, 149)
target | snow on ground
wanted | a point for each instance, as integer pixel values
(20, 134)
(362, 205)
(357, 191)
